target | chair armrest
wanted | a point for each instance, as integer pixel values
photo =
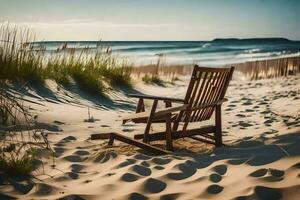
(144, 96)
(170, 110)
(213, 104)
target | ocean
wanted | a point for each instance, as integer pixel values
(205, 53)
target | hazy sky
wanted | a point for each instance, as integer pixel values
(155, 19)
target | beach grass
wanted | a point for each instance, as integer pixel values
(18, 147)
(92, 72)
(153, 79)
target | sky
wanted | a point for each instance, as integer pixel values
(154, 19)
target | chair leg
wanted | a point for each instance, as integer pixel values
(147, 129)
(111, 140)
(141, 106)
(169, 139)
(218, 121)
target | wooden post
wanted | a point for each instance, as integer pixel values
(147, 129)
(169, 139)
(111, 140)
(168, 104)
(140, 107)
(218, 121)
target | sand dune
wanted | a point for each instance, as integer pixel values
(261, 124)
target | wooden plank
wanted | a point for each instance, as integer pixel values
(178, 134)
(218, 132)
(201, 92)
(142, 145)
(187, 97)
(100, 136)
(147, 129)
(140, 107)
(144, 96)
(158, 113)
(213, 96)
(207, 95)
(169, 140)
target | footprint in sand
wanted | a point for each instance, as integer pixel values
(105, 156)
(72, 196)
(185, 172)
(142, 157)
(77, 168)
(161, 161)
(141, 170)
(152, 185)
(220, 169)
(126, 163)
(24, 187)
(259, 173)
(128, 177)
(158, 167)
(72, 175)
(247, 103)
(75, 158)
(137, 196)
(58, 151)
(145, 164)
(276, 173)
(43, 189)
(69, 138)
(237, 161)
(215, 178)
(240, 115)
(267, 193)
(268, 122)
(60, 144)
(244, 124)
(297, 165)
(214, 189)
(58, 122)
(231, 105)
(82, 153)
(172, 196)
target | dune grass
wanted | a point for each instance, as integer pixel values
(92, 72)
(18, 148)
(153, 79)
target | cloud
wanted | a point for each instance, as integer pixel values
(89, 23)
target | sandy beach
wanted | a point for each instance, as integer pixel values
(261, 128)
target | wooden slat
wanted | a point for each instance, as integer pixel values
(100, 136)
(142, 145)
(187, 97)
(188, 115)
(178, 134)
(151, 116)
(198, 99)
(206, 95)
(214, 95)
(144, 96)
(157, 114)
(112, 135)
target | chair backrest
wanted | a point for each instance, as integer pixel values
(207, 85)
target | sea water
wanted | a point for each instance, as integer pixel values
(206, 53)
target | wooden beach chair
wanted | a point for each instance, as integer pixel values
(205, 94)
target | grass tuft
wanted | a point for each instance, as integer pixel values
(153, 79)
(18, 149)
(20, 62)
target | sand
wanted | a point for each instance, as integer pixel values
(261, 126)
